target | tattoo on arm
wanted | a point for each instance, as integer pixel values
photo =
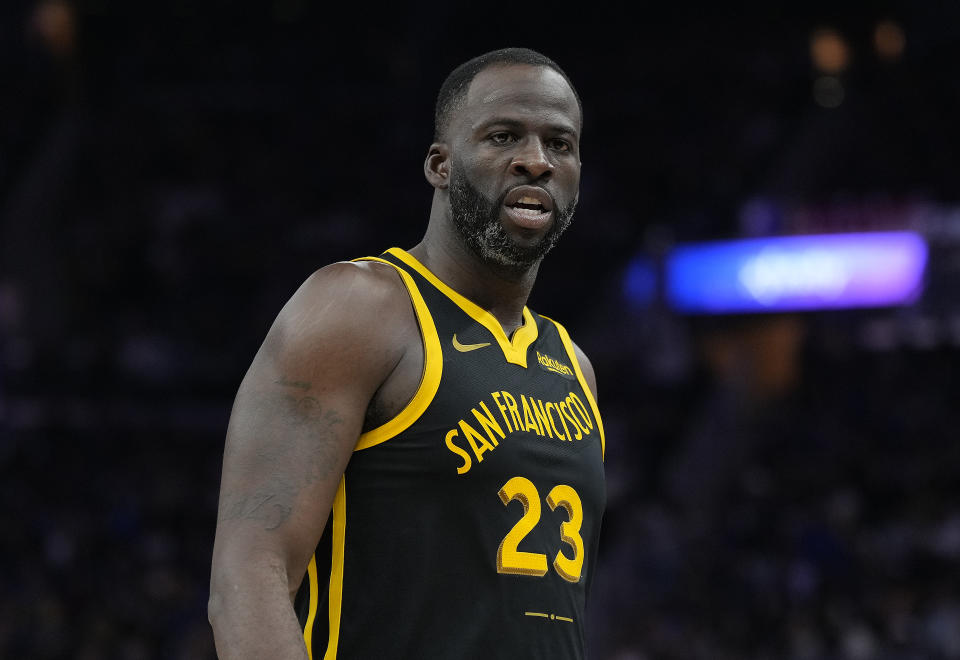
(305, 410)
(299, 384)
(296, 449)
(268, 508)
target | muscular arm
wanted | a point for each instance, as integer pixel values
(295, 421)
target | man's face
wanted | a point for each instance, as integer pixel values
(514, 163)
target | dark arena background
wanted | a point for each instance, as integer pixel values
(783, 463)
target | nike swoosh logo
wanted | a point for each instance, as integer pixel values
(466, 348)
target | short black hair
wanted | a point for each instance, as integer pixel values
(454, 88)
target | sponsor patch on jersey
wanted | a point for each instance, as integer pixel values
(554, 366)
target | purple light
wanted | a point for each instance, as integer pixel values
(834, 271)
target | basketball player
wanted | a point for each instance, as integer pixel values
(414, 462)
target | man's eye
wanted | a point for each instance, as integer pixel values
(559, 145)
(501, 138)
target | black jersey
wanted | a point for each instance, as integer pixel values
(466, 526)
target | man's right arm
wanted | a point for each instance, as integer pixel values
(295, 422)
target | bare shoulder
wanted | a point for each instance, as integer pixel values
(349, 278)
(340, 309)
(344, 292)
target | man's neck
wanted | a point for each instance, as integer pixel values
(502, 293)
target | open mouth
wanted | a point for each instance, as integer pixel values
(529, 207)
(530, 204)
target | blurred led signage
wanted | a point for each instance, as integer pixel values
(795, 273)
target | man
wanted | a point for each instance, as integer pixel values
(413, 466)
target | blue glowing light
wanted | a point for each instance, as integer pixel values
(795, 273)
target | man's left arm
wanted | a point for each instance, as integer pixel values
(587, 368)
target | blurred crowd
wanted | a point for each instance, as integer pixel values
(777, 490)
(796, 503)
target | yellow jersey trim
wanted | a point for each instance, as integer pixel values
(514, 351)
(336, 568)
(568, 344)
(432, 368)
(312, 611)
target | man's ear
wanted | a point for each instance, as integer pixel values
(436, 167)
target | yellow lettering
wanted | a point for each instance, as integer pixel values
(488, 423)
(571, 410)
(582, 409)
(459, 452)
(530, 422)
(472, 437)
(551, 405)
(503, 410)
(542, 420)
(566, 415)
(514, 411)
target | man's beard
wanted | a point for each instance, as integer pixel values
(478, 221)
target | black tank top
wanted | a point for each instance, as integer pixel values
(466, 526)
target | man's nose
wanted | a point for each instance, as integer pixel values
(532, 160)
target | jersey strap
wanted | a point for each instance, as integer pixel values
(568, 344)
(432, 368)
